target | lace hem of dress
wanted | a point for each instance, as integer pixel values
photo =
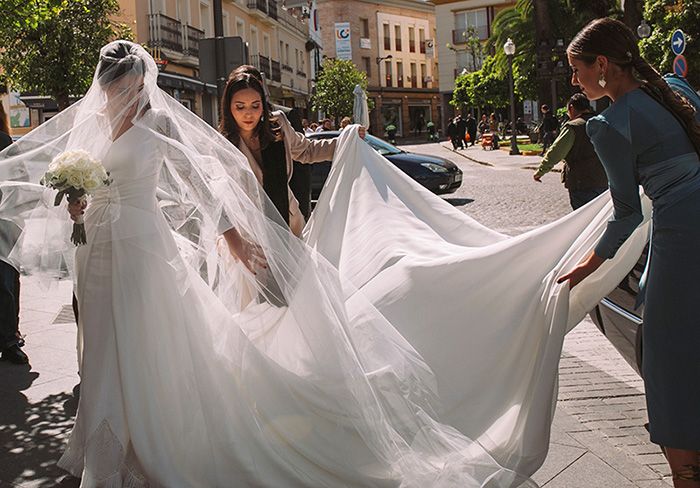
(101, 463)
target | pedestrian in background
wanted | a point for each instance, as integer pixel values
(344, 122)
(483, 126)
(461, 131)
(548, 128)
(452, 133)
(583, 175)
(471, 128)
(650, 136)
(11, 340)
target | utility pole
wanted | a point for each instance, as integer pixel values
(219, 48)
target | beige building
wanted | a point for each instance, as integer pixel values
(456, 20)
(171, 30)
(392, 41)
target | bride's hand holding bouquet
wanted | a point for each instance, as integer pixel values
(76, 174)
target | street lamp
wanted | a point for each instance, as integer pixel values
(379, 107)
(644, 30)
(509, 48)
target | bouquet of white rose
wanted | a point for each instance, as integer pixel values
(75, 174)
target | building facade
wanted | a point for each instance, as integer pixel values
(393, 42)
(278, 41)
(457, 21)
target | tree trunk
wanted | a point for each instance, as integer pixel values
(543, 37)
(633, 14)
(62, 101)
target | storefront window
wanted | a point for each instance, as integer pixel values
(391, 115)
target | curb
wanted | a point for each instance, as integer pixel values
(483, 163)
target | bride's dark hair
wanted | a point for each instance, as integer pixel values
(614, 40)
(117, 61)
(243, 77)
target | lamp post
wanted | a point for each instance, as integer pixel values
(643, 30)
(509, 48)
(381, 89)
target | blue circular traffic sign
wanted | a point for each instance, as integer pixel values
(680, 66)
(678, 42)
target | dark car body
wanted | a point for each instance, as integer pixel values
(436, 174)
(616, 316)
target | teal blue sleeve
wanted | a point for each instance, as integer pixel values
(619, 160)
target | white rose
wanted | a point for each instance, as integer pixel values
(91, 184)
(75, 180)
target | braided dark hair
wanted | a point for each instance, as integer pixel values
(614, 40)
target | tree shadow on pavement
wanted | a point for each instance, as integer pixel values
(33, 435)
(458, 202)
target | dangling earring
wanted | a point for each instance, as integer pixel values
(601, 81)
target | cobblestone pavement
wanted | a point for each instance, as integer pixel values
(596, 386)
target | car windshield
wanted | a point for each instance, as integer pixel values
(382, 147)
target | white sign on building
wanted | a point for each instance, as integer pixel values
(430, 48)
(343, 47)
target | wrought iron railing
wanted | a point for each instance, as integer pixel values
(165, 32)
(276, 72)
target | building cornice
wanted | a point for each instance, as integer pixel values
(417, 5)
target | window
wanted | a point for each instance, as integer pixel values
(421, 40)
(281, 53)
(423, 74)
(183, 11)
(254, 41)
(397, 37)
(296, 59)
(387, 38)
(266, 45)
(399, 74)
(227, 28)
(240, 29)
(367, 65)
(364, 28)
(387, 65)
(204, 19)
(414, 79)
(412, 39)
(475, 19)
(286, 54)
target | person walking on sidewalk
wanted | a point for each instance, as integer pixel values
(548, 128)
(461, 131)
(471, 129)
(650, 136)
(10, 339)
(583, 174)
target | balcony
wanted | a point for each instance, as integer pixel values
(460, 36)
(192, 38)
(171, 34)
(266, 7)
(302, 74)
(263, 64)
(165, 32)
(287, 68)
(276, 73)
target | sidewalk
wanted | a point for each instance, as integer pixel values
(496, 158)
(37, 408)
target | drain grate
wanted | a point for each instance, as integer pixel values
(65, 315)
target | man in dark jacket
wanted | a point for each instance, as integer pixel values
(471, 128)
(452, 133)
(461, 131)
(548, 128)
(583, 175)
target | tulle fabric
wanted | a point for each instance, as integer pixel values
(196, 372)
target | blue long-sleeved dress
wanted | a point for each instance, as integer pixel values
(641, 142)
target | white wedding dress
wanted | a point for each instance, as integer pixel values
(401, 345)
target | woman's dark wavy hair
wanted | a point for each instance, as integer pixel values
(614, 40)
(243, 77)
(4, 125)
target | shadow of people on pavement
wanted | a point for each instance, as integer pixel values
(32, 435)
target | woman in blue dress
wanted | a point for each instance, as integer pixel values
(650, 136)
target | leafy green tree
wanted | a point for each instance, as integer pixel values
(484, 88)
(334, 88)
(52, 46)
(664, 17)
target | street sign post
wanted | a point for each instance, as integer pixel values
(678, 42)
(680, 66)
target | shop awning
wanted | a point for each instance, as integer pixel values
(183, 82)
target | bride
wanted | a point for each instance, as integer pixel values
(183, 385)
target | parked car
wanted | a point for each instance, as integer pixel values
(436, 174)
(616, 317)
